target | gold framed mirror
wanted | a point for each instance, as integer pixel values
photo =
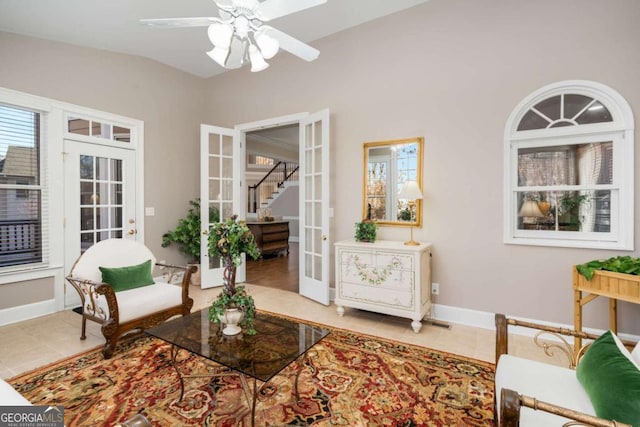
(388, 167)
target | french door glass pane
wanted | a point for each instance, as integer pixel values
(101, 215)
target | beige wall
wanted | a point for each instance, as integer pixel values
(452, 71)
(170, 102)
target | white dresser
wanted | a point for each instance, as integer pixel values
(385, 277)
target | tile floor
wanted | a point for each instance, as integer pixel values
(37, 342)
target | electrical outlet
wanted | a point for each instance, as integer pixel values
(435, 288)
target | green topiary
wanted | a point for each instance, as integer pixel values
(366, 231)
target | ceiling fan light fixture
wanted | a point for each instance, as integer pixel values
(220, 35)
(257, 61)
(219, 54)
(267, 44)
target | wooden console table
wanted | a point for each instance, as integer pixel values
(271, 236)
(615, 286)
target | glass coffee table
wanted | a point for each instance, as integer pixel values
(277, 343)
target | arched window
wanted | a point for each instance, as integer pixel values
(569, 168)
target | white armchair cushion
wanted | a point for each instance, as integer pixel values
(10, 397)
(545, 382)
(140, 302)
(110, 253)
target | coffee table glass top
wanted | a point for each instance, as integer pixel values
(277, 343)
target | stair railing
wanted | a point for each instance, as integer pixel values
(270, 183)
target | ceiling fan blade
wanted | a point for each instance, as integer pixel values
(224, 4)
(271, 9)
(179, 22)
(292, 45)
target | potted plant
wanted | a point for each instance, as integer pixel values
(187, 236)
(228, 240)
(366, 231)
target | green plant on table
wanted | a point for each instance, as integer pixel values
(366, 231)
(618, 264)
(228, 240)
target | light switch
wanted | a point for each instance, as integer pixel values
(149, 211)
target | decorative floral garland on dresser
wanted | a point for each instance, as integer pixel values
(374, 275)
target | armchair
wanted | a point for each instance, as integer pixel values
(531, 393)
(127, 310)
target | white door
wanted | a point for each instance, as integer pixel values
(99, 185)
(221, 192)
(314, 207)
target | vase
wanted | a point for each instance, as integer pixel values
(230, 320)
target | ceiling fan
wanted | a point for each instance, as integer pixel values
(239, 36)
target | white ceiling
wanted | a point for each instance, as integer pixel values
(113, 25)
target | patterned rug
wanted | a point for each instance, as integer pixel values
(348, 379)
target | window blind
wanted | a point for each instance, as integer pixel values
(23, 199)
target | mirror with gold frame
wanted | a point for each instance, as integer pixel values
(387, 166)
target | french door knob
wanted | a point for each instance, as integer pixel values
(132, 232)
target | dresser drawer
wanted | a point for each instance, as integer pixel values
(381, 296)
(275, 228)
(376, 277)
(273, 237)
(379, 259)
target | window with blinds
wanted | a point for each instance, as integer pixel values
(570, 178)
(21, 189)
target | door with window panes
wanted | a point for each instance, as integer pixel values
(99, 199)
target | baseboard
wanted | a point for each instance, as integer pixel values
(486, 320)
(26, 312)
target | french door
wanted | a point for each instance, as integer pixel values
(221, 193)
(222, 190)
(315, 247)
(99, 183)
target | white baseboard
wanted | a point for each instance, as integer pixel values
(486, 320)
(28, 311)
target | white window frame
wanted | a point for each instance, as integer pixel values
(619, 130)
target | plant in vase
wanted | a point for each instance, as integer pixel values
(228, 240)
(187, 235)
(366, 231)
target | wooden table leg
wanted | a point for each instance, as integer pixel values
(613, 314)
(577, 319)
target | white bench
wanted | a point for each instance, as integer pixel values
(127, 310)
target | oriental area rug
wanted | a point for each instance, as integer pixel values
(348, 379)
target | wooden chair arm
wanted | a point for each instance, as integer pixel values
(177, 267)
(511, 402)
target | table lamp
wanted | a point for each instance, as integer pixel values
(410, 192)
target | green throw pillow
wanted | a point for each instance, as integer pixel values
(611, 380)
(124, 278)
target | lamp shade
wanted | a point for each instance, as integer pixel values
(257, 61)
(219, 54)
(410, 191)
(530, 209)
(267, 44)
(220, 35)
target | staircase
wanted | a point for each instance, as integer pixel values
(270, 186)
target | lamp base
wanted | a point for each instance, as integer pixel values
(411, 242)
